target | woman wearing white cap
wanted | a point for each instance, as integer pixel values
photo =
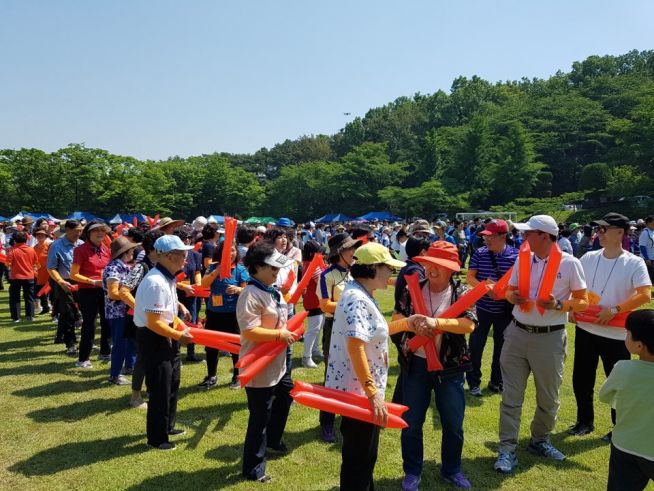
(262, 315)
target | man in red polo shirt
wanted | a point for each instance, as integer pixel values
(22, 262)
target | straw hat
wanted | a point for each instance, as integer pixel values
(120, 245)
(167, 221)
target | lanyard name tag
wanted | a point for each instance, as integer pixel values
(217, 300)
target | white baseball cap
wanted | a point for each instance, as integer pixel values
(278, 260)
(543, 223)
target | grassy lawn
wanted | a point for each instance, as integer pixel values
(65, 428)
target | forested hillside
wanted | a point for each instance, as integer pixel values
(482, 144)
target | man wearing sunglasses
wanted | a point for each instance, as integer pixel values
(617, 281)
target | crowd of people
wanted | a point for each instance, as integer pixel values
(139, 284)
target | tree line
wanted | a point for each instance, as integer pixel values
(481, 145)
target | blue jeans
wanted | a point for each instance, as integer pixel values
(122, 351)
(417, 386)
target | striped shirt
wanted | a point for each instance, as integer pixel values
(332, 283)
(481, 262)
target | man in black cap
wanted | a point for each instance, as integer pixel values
(618, 282)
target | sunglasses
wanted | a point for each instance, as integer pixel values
(602, 229)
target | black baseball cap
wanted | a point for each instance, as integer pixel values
(612, 220)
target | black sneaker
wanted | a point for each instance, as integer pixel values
(165, 446)
(235, 384)
(607, 438)
(280, 449)
(265, 479)
(580, 429)
(208, 382)
(177, 432)
(495, 388)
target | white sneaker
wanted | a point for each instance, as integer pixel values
(84, 364)
(307, 362)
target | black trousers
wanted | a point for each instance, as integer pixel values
(478, 339)
(68, 311)
(269, 407)
(161, 363)
(589, 348)
(359, 454)
(326, 419)
(223, 322)
(15, 287)
(91, 303)
(628, 472)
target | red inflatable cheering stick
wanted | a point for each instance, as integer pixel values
(346, 404)
(499, 289)
(226, 257)
(306, 277)
(262, 361)
(419, 307)
(549, 276)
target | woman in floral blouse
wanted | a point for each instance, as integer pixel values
(358, 359)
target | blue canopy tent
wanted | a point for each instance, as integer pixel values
(378, 215)
(82, 215)
(128, 218)
(33, 216)
(3, 219)
(334, 217)
(216, 219)
(326, 218)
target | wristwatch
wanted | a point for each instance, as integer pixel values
(614, 310)
(559, 305)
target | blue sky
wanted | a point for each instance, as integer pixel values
(153, 79)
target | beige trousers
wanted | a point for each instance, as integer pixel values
(544, 356)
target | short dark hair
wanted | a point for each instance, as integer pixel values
(209, 231)
(257, 254)
(649, 219)
(182, 233)
(149, 238)
(71, 224)
(20, 237)
(566, 233)
(415, 245)
(400, 234)
(363, 271)
(245, 234)
(640, 323)
(360, 231)
(218, 253)
(136, 234)
(272, 234)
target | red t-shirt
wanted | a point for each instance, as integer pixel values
(22, 260)
(310, 297)
(92, 260)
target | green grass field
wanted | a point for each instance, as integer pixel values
(65, 428)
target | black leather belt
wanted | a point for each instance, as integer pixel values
(539, 329)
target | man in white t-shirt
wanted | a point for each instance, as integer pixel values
(536, 342)
(617, 281)
(155, 313)
(646, 245)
